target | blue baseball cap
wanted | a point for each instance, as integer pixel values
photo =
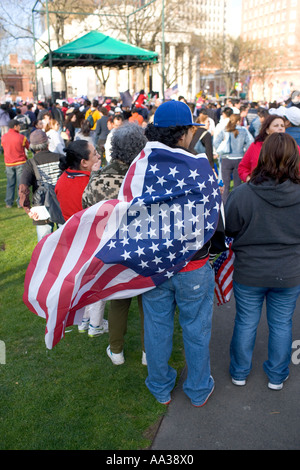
(173, 113)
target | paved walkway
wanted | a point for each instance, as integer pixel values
(238, 418)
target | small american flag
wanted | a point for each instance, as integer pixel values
(223, 267)
(168, 208)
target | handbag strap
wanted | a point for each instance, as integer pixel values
(196, 137)
(204, 133)
(35, 169)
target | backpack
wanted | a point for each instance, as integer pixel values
(91, 120)
(45, 196)
(24, 121)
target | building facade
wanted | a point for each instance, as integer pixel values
(17, 80)
(274, 23)
(183, 69)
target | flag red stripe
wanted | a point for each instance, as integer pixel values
(56, 262)
(127, 193)
(226, 275)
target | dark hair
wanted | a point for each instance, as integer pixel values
(86, 127)
(118, 117)
(75, 152)
(262, 112)
(127, 142)
(278, 160)
(166, 135)
(265, 126)
(103, 110)
(228, 111)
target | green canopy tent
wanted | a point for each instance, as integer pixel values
(95, 49)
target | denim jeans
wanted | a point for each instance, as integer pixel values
(13, 175)
(193, 293)
(280, 305)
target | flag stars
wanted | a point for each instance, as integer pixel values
(140, 251)
(154, 247)
(209, 226)
(153, 168)
(169, 274)
(161, 180)
(112, 244)
(150, 190)
(125, 241)
(173, 171)
(201, 186)
(193, 174)
(181, 183)
(190, 204)
(126, 255)
(171, 256)
(215, 192)
(143, 264)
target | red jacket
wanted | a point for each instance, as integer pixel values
(69, 189)
(250, 160)
(14, 145)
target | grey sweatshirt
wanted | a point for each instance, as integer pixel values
(264, 221)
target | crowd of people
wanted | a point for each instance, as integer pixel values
(252, 152)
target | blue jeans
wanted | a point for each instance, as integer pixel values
(193, 292)
(13, 175)
(280, 304)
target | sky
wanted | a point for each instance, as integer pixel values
(235, 7)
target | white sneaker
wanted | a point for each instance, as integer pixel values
(84, 326)
(277, 386)
(239, 383)
(144, 359)
(98, 330)
(116, 359)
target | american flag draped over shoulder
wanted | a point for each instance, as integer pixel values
(168, 208)
(223, 267)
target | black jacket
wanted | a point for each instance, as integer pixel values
(264, 221)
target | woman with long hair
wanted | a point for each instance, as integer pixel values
(85, 132)
(80, 159)
(202, 139)
(260, 216)
(271, 124)
(238, 140)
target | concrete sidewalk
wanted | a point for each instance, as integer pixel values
(238, 418)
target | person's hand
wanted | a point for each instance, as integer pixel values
(33, 215)
(97, 165)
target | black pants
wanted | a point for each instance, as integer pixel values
(229, 166)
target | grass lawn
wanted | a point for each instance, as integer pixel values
(71, 397)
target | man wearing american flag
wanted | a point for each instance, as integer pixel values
(195, 228)
(155, 240)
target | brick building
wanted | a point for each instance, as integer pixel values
(18, 79)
